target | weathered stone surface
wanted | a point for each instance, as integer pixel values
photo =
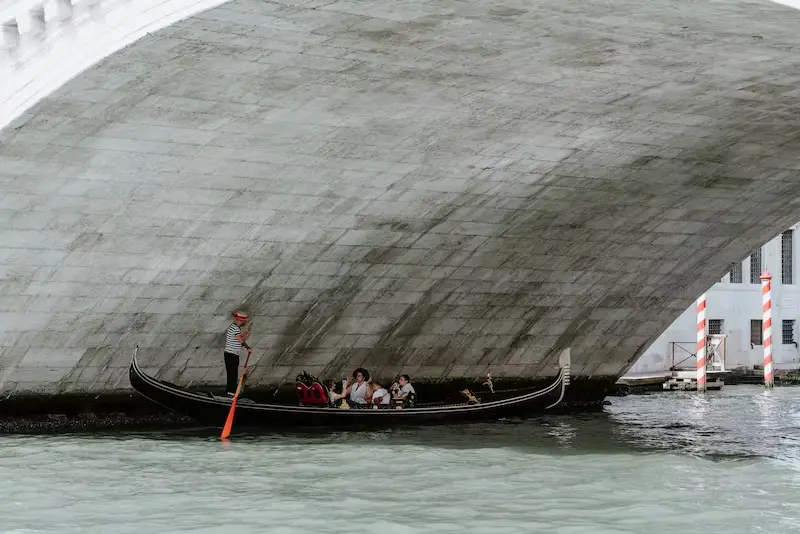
(432, 188)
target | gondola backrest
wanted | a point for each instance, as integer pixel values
(313, 395)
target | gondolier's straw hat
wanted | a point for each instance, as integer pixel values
(240, 315)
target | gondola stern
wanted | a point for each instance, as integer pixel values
(150, 388)
(135, 358)
(136, 376)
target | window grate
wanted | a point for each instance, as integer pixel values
(787, 331)
(736, 273)
(755, 267)
(755, 332)
(787, 253)
(714, 327)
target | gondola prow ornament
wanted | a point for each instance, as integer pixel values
(564, 361)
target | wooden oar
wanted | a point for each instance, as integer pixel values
(226, 430)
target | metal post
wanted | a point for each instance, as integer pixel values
(701, 343)
(766, 324)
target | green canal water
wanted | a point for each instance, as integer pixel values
(727, 462)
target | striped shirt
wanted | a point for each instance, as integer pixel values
(233, 345)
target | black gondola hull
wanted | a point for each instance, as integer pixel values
(211, 409)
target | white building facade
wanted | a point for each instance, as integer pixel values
(733, 308)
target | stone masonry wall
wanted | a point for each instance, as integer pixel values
(434, 188)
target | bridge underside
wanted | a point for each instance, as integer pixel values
(431, 188)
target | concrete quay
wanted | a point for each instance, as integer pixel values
(635, 383)
(427, 188)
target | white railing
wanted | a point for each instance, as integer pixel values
(684, 358)
(45, 43)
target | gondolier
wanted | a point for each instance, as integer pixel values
(235, 339)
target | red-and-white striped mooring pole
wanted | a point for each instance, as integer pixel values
(766, 324)
(701, 343)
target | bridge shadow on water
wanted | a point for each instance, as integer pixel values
(594, 434)
(560, 434)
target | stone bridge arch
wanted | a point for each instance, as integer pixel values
(429, 188)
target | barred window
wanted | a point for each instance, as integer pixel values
(714, 327)
(755, 267)
(736, 273)
(787, 331)
(755, 331)
(787, 242)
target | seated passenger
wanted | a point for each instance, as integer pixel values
(334, 398)
(406, 392)
(405, 386)
(379, 396)
(358, 390)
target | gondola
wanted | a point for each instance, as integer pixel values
(313, 409)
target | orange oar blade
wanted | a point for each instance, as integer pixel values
(226, 430)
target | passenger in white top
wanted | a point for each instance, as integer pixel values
(379, 395)
(358, 390)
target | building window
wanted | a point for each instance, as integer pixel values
(787, 331)
(736, 273)
(714, 327)
(787, 240)
(755, 331)
(755, 267)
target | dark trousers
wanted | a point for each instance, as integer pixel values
(232, 371)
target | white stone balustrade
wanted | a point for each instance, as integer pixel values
(44, 43)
